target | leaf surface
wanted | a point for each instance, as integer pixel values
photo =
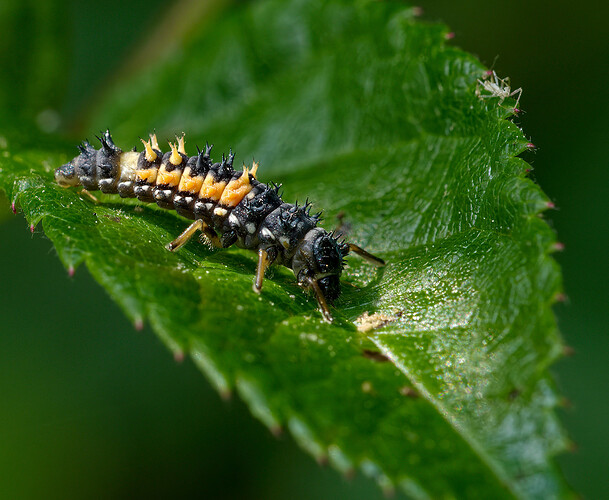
(368, 112)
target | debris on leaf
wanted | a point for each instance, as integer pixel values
(367, 322)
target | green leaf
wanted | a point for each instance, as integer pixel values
(368, 112)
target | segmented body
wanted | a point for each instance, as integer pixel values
(230, 207)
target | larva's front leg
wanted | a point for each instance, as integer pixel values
(266, 257)
(364, 254)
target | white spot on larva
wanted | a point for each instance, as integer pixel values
(251, 228)
(251, 195)
(209, 206)
(284, 241)
(221, 212)
(267, 234)
(232, 218)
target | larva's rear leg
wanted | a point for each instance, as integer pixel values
(373, 259)
(181, 240)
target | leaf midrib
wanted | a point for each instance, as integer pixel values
(462, 430)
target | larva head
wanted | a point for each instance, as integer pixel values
(66, 176)
(319, 258)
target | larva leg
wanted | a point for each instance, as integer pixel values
(181, 240)
(377, 261)
(263, 263)
(87, 193)
(342, 230)
(321, 301)
(210, 237)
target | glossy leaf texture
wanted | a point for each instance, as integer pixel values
(368, 112)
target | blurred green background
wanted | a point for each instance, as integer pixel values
(90, 407)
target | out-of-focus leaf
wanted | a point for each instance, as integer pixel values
(33, 63)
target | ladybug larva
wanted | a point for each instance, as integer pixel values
(227, 206)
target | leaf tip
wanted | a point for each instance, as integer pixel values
(372, 469)
(388, 489)
(178, 356)
(226, 394)
(209, 367)
(572, 446)
(259, 405)
(568, 351)
(276, 430)
(305, 437)
(560, 297)
(340, 461)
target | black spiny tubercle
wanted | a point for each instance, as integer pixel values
(229, 207)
